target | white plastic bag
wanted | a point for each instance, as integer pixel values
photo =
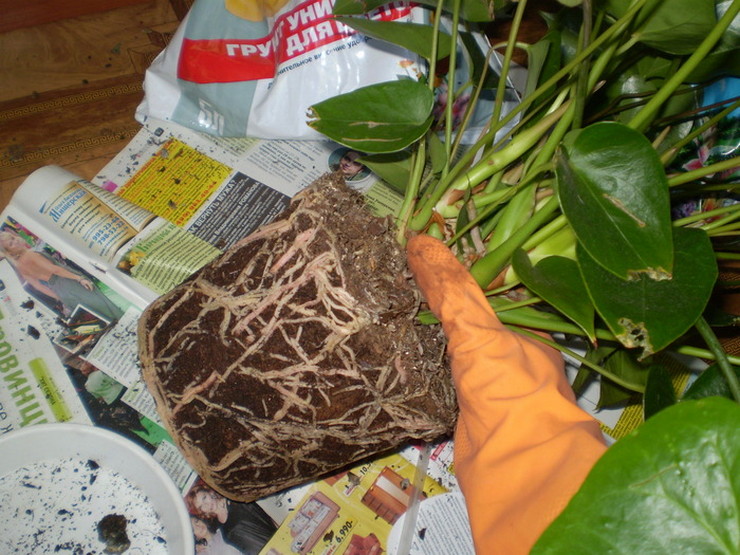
(252, 68)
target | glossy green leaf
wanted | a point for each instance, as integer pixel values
(544, 59)
(710, 383)
(393, 167)
(672, 26)
(558, 281)
(386, 117)
(623, 364)
(613, 190)
(659, 392)
(471, 10)
(611, 394)
(639, 80)
(648, 313)
(413, 36)
(437, 153)
(478, 62)
(671, 486)
(725, 56)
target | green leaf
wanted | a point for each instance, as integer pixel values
(393, 167)
(641, 79)
(710, 383)
(583, 379)
(613, 190)
(659, 392)
(558, 281)
(478, 62)
(413, 36)
(471, 10)
(437, 153)
(671, 486)
(622, 364)
(386, 117)
(544, 58)
(651, 314)
(672, 26)
(612, 394)
(725, 56)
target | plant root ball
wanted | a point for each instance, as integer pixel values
(297, 352)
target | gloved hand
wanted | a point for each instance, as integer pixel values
(522, 446)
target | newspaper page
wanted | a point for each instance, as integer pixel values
(136, 253)
(168, 204)
(70, 308)
(362, 510)
(240, 183)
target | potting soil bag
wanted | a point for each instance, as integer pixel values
(239, 68)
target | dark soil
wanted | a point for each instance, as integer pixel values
(297, 352)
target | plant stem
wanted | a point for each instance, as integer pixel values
(508, 55)
(545, 231)
(727, 255)
(424, 212)
(581, 85)
(489, 266)
(720, 356)
(693, 175)
(669, 154)
(412, 190)
(522, 319)
(643, 118)
(723, 224)
(725, 231)
(584, 361)
(699, 216)
(519, 145)
(449, 115)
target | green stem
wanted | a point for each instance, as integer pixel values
(581, 85)
(545, 156)
(723, 224)
(720, 356)
(583, 360)
(643, 118)
(545, 231)
(489, 266)
(725, 231)
(449, 116)
(526, 320)
(424, 211)
(508, 55)
(520, 144)
(409, 198)
(669, 154)
(518, 304)
(693, 175)
(699, 216)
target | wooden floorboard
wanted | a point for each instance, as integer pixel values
(29, 13)
(70, 88)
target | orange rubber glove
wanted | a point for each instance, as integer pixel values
(522, 445)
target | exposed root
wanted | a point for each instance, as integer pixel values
(297, 352)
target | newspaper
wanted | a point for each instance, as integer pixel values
(80, 260)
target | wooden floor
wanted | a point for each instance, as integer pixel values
(69, 88)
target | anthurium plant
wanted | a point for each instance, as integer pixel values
(571, 208)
